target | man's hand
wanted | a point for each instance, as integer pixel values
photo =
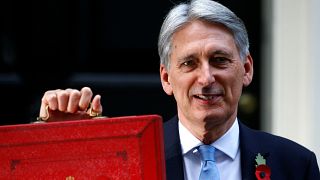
(69, 104)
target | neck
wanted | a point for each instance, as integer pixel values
(209, 130)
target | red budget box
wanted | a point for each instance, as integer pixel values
(129, 147)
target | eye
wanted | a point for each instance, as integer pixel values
(188, 65)
(220, 61)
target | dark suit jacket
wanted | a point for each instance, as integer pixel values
(286, 159)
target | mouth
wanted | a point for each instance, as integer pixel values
(207, 95)
(207, 98)
(204, 96)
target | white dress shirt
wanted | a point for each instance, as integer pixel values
(227, 154)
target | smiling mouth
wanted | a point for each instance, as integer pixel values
(206, 97)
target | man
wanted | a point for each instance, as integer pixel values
(205, 63)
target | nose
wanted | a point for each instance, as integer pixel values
(206, 75)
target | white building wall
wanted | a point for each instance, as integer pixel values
(291, 58)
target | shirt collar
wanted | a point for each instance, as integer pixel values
(228, 143)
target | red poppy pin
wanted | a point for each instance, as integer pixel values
(263, 172)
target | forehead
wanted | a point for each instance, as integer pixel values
(202, 29)
(203, 36)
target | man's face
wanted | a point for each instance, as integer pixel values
(206, 74)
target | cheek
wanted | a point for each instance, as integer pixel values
(237, 74)
(177, 88)
(181, 84)
(232, 81)
(236, 85)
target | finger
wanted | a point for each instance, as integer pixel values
(86, 95)
(49, 99)
(74, 98)
(96, 104)
(43, 111)
(63, 100)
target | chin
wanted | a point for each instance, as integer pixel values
(215, 115)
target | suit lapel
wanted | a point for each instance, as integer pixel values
(174, 161)
(250, 146)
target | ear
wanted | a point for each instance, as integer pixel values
(165, 80)
(248, 67)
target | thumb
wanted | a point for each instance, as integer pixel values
(96, 107)
(44, 111)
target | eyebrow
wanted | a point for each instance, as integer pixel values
(184, 58)
(212, 53)
(221, 52)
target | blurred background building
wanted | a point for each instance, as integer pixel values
(111, 46)
(290, 73)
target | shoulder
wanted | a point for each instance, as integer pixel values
(171, 129)
(259, 140)
(286, 158)
(171, 123)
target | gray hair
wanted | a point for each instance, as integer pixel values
(207, 10)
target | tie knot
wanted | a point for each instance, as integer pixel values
(206, 152)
